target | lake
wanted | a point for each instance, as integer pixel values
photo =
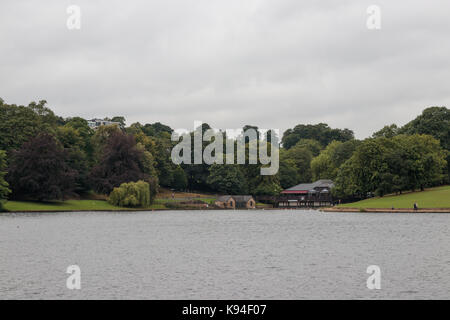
(267, 254)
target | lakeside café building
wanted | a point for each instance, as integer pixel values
(316, 194)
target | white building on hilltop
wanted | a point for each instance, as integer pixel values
(95, 123)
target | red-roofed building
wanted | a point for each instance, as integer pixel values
(314, 194)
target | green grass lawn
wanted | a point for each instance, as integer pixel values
(69, 205)
(175, 200)
(431, 198)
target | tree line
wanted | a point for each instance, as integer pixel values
(46, 157)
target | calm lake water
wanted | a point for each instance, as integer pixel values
(285, 254)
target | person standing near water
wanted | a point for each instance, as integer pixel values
(415, 206)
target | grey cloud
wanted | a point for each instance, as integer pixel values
(270, 63)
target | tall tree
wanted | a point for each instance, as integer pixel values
(320, 132)
(326, 165)
(4, 190)
(38, 170)
(197, 174)
(434, 121)
(121, 161)
(288, 173)
(77, 157)
(226, 179)
(387, 131)
(383, 166)
(179, 179)
(164, 165)
(85, 132)
(156, 129)
(121, 120)
(19, 123)
(301, 157)
(267, 185)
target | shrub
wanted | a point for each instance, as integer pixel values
(131, 194)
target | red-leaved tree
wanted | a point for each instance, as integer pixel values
(121, 161)
(38, 170)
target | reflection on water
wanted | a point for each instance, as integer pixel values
(283, 254)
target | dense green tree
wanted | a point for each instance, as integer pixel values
(253, 172)
(268, 186)
(383, 166)
(75, 146)
(148, 161)
(179, 179)
(164, 165)
(148, 146)
(39, 170)
(226, 179)
(362, 173)
(301, 157)
(327, 164)
(434, 121)
(289, 174)
(197, 174)
(156, 129)
(312, 145)
(121, 120)
(86, 134)
(387, 131)
(295, 163)
(4, 186)
(423, 158)
(19, 123)
(320, 132)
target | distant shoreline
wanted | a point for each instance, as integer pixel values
(329, 210)
(386, 210)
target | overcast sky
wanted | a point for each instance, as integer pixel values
(270, 63)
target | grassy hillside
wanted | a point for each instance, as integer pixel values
(96, 202)
(430, 198)
(69, 205)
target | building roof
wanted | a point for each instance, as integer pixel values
(310, 187)
(224, 198)
(236, 198)
(242, 198)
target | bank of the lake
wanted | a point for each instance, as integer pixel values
(431, 200)
(387, 210)
(178, 203)
(69, 205)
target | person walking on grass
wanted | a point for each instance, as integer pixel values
(415, 206)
